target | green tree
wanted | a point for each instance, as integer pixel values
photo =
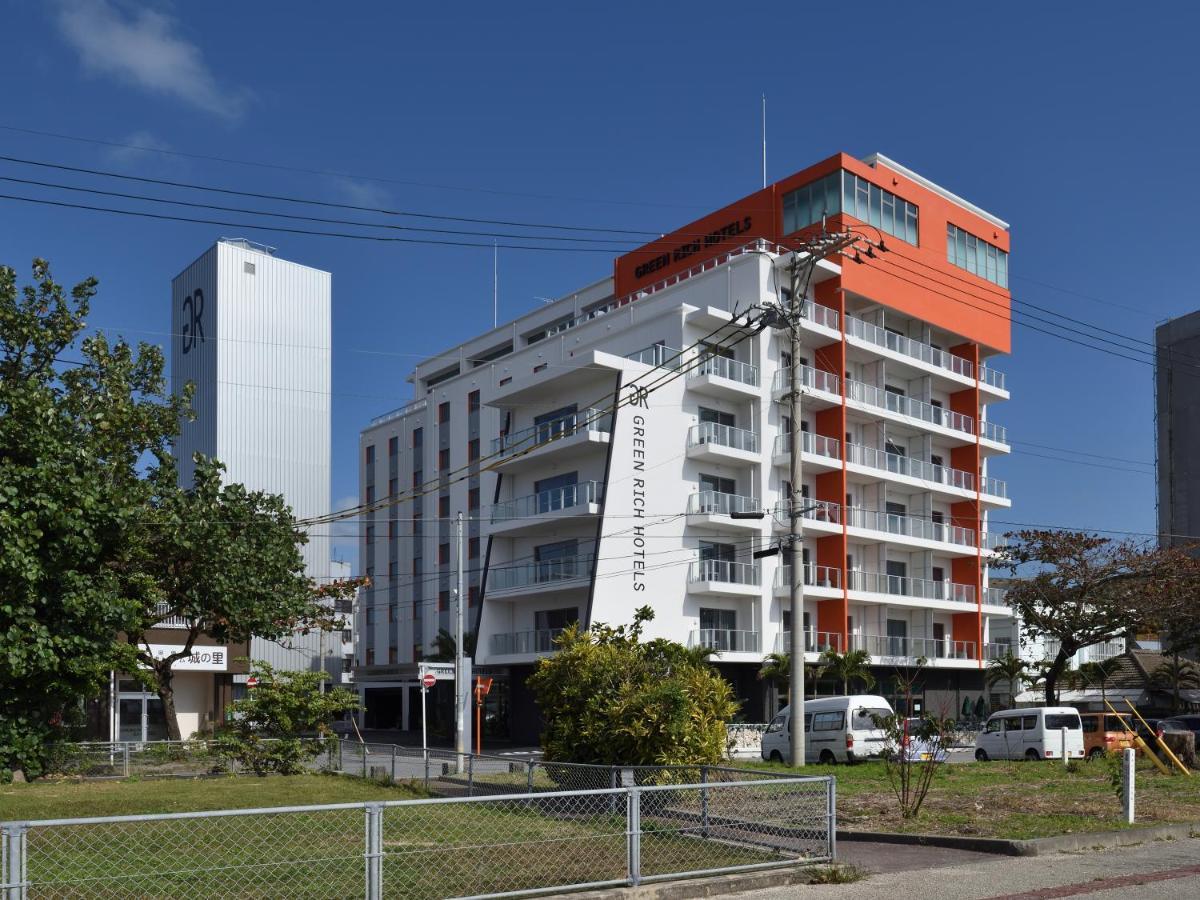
(283, 722)
(607, 697)
(1010, 670)
(851, 666)
(1086, 589)
(1095, 674)
(1173, 675)
(227, 561)
(776, 670)
(444, 646)
(80, 421)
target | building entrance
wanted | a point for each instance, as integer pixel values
(140, 715)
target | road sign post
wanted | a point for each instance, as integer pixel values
(428, 680)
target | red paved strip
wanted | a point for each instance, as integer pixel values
(1101, 884)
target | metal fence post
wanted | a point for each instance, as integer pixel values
(529, 777)
(1128, 776)
(125, 758)
(831, 813)
(633, 821)
(13, 872)
(471, 775)
(612, 784)
(426, 754)
(364, 759)
(704, 802)
(373, 851)
(341, 764)
(393, 763)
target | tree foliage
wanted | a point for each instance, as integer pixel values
(851, 667)
(80, 420)
(1009, 670)
(283, 722)
(609, 698)
(1086, 589)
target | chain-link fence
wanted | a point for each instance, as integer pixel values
(158, 759)
(444, 847)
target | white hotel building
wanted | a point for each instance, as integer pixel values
(577, 512)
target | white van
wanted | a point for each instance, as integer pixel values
(836, 729)
(1031, 734)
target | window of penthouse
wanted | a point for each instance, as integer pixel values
(807, 205)
(976, 255)
(883, 209)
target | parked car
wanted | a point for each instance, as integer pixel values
(1157, 726)
(1031, 734)
(1184, 723)
(1106, 733)
(917, 748)
(836, 729)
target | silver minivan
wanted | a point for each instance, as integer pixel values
(836, 729)
(1036, 733)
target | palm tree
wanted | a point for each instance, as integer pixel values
(853, 665)
(777, 670)
(1009, 669)
(1096, 674)
(1174, 675)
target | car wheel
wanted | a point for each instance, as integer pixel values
(1032, 754)
(827, 758)
(1095, 753)
(981, 755)
(776, 756)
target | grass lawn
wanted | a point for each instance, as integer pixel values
(1015, 800)
(431, 850)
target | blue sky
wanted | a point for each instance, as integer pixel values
(1075, 127)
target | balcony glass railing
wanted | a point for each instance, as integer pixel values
(810, 378)
(168, 621)
(814, 641)
(814, 576)
(527, 438)
(540, 572)
(903, 586)
(909, 526)
(656, 355)
(910, 466)
(912, 648)
(533, 505)
(715, 503)
(871, 395)
(906, 346)
(994, 432)
(992, 377)
(725, 641)
(994, 487)
(996, 596)
(811, 510)
(724, 436)
(819, 315)
(520, 642)
(816, 444)
(731, 369)
(723, 571)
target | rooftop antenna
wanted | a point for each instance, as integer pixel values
(764, 139)
(495, 284)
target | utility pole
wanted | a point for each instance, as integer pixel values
(459, 669)
(796, 520)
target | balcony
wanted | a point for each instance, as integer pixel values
(886, 647)
(725, 641)
(819, 450)
(812, 313)
(540, 575)
(998, 651)
(721, 577)
(524, 643)
(819, 581)
(923, 471)
(997, 434)
(818, 515)
(713, 509)
(906, 346)
(814, 641)
(996, 596)
(720, 376)
(911, 588)
(821, 388)
(165, 620)
(658, 355)
(910, 526)
(570, 432)
(992, 379)
(717, 443)
(541, 511)
(919, 410)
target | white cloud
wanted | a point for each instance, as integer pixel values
(364, 193)
(143, 48)
(136, 150)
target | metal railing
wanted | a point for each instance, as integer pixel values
(813, 379)
(991, 376)
(725, 640)
(98, 760)
(814, 576)
(724, 571)
(824, 316)
(165, 620)
(1104, 650)
(539, 504)
(591, 420)
(811, 510)
(912, 648)
(814, 641)
(513, 841)
(871, 395)
(816, 444)
(904, 586)
(542, 571)
(716, 503)
(723, 436)
(909, 526)
(996, 596)
(995, 487)
(656, 355)
(408, 409)
(723, 367)
(906, 346)
(899, 464)
(997, 650)
(521, 642)
(994, 432)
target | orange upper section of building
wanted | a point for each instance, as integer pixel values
(918, 281)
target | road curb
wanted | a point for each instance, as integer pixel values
(714, 886)
(1084, 840)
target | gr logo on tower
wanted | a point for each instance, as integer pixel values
(192, 330)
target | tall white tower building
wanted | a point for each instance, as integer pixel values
(252, 332)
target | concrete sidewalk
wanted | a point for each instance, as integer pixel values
(1158, 869)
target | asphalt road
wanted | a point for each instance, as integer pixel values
(1159, 869)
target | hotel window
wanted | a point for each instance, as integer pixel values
(473, 499)
(473, 402)
(443, 601)
(370, 457)
(418, 477)
(443, 413)
(370, 493)
(443, 507)
(393, 486)
(444, 458)
(883, 209)
(806, 205)
(392, 655)
(473, 450)
(473, 548)
(977, 256)
(393, 446)
(418, 437)
(443, 554)
(473, 595)
(370, 657)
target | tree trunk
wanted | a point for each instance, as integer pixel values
(1054, 673)
(166, 693)
(1175, 686)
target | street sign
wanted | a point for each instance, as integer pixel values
(483, 685)
(428, 680)
(251, 682)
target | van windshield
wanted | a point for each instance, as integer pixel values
(1062, 720)
(864, 719)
